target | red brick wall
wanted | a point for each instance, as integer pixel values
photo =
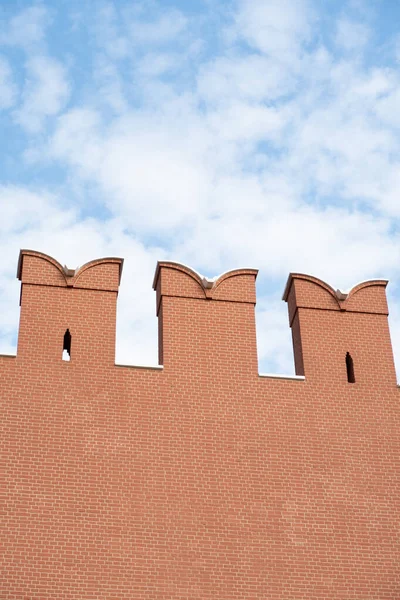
(201, 480)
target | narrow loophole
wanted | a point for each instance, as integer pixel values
(350, 369)
(66, 355)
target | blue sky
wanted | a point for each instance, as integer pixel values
(247, 133)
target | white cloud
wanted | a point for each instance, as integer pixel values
(79, 128)
(109, 85)
(277, 28)
(251, 78)
(108, 32)
(148, 173)
(154, 64)
(23, 210)
(246, 122)
(344, 142)
(351, 35)
(45, 94)
(8, 88)
(27, 28)
(164, 27)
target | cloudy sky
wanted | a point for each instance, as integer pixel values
(218, 133)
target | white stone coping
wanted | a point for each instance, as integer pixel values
(156, 367)
(275, 376)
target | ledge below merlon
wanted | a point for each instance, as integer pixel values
(160, 368)
(276, 378)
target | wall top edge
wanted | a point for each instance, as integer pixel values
(205, 282)
(67, 273)
(339, 295)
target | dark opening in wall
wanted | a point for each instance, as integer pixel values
(67, 346)
(350, 369)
